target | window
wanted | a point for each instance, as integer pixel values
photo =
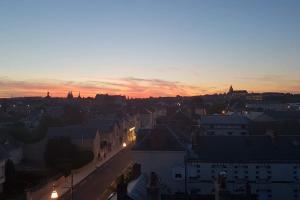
(178, 176)
(178, 173)
(195, 191)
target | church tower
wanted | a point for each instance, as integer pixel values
(230, 90)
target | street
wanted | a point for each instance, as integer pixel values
(94, 186)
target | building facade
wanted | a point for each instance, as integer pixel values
(269, 167)
(230, 125)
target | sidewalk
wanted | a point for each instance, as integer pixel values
(62, 184)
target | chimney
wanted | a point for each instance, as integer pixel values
(153, 192)
(136, 170)
(122, 189)
(196, 136)
(220, 186)
(271, 133)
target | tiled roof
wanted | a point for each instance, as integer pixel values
(75, 132)
(248, 149)
(159, 139)
(283, 115)
(145, 111)
(87, 130)
(224, 119)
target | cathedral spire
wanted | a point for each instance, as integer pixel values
(70, 95)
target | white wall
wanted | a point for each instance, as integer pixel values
(274, 180)
(164, 164)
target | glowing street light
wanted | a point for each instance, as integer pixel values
(124, 144)
(54, 194)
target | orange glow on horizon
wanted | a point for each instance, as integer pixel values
(131, 87)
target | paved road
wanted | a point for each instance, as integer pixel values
(95, 185)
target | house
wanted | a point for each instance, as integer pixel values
(14, 149)
(55, 111)
(15, 152)
(161, 152)
(86, 138)
(267, 166)
(230, 125)
(280, 122)
(181, 124)
(147, 119)
(160, 111)
(100, 136)
(111, 99)
(265, 106)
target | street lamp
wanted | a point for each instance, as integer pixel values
(54, 194)
(124, 144)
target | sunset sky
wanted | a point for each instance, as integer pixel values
(143, 48)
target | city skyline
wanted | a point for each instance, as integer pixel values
(142, 49)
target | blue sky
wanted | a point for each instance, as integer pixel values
(193, 47)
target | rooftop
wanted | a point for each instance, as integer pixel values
(87, 130)
(248, 149)
(224, 119)
(159, 139)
